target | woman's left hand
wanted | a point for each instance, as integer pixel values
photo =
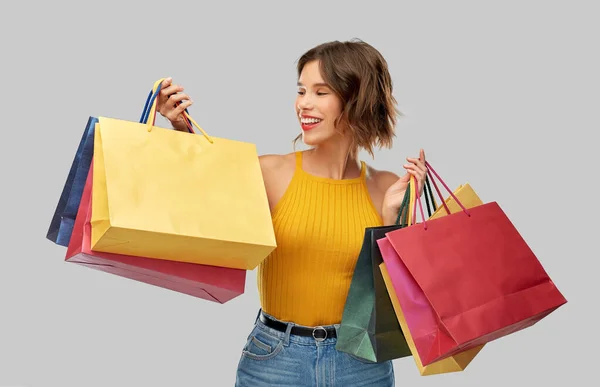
(395, 193)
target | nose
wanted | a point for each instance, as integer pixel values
(304, 103)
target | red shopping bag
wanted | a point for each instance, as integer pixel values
(476, 279)
(211, 283)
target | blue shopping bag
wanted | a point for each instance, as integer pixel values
(61, 225)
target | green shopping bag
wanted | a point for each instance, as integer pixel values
(369, 328)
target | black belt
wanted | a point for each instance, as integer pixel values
(318, 333)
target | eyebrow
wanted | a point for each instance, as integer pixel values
(316, 84)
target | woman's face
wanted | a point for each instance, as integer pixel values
(317, 106)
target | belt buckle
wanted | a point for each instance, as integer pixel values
(319, 338)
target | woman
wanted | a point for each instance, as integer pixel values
(321, 201)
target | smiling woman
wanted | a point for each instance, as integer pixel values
(354, 95)
(317, 106)
(321, 201)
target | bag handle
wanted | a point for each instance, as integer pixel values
(151, 102)
(410, 194)
(429, 171)
(145, 112)
(413, 201)
(428, 192)
(429, 196)
(152, 111)
(403, 206)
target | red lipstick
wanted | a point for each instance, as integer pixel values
(310, 122)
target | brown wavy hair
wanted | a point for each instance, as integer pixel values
(359, 75)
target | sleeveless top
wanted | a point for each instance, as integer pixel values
(319, 227)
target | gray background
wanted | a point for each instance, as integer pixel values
(503, 95)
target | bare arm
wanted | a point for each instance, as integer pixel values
(391, 196)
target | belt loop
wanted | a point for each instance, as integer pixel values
(257, 315)
(288, 332)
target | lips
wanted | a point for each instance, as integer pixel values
(309, 123)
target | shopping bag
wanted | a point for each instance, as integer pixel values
(165, 194)
(211, 283)
(407, 288)
(472, 273)
(61, 224)
(369, 328)
(456, 363)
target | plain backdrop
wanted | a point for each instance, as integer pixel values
(503, 95)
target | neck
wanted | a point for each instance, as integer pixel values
(333, 161)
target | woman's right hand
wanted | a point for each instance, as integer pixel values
(166, 105)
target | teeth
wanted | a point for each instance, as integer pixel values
(310, 120)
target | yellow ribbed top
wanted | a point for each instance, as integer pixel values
(319, 226)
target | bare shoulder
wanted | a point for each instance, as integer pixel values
(381, 179)
(275, 164)
(277, 171)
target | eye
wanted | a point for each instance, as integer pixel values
(300, 92)
(322, 93)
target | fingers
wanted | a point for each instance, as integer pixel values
(417, 162)
(170, 95)
(417, 168)
(167, 88)
(418, 173)
(178, 97)
(413, 170)
(166, 92)
(174, 113)
(166, 82)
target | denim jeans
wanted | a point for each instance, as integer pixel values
(273, 358)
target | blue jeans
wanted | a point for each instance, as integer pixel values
(273, 358)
